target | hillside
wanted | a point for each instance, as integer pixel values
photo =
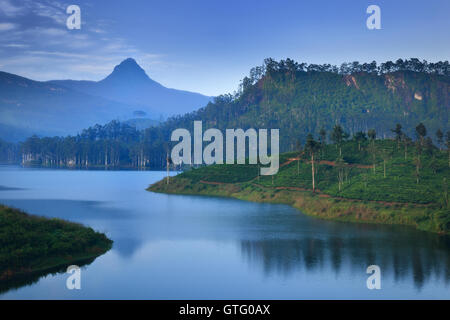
(66, 107)
(28, 107)
(300, 99)
(373, 182)
(129, 84)
(296, 98)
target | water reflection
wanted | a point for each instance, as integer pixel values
(127, 247)
(185, 247)
(408, 255)
(29, 279)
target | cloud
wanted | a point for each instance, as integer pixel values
(49, 31)
(8, 9)
(7, 26)
(15, 45)
(49, 65)
(50, 9)
(38, 45)
(97, 30)
(59, 54)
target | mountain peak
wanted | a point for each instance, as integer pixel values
(128, 69)
(129, 63)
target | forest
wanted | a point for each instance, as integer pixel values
(112, 145)
(297, 98)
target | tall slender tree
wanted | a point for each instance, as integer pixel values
(337, 136)
(406, 141)
(418, 161)
(373, 150)
(323, 140)
(386, 153)
(421, 132)
(312, 147)
(360, 137)
(398, 133)
(299, 150)
(447, 142)
(323, 136)
(445, 198)
(440, 138)
(340, 164)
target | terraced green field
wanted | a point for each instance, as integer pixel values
(382, 176)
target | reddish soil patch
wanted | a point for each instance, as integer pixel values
(331, 163)
(212, 182)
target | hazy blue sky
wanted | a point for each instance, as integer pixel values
(208, 46)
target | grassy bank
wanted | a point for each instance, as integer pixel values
(30, 244)
(363, 188)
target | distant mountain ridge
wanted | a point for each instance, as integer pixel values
(128, 83)
(297, 99)
(62, 107)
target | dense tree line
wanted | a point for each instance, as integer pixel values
(302, 99)
(112, 145)
(9, 152)
(298, 98)
(271, 67)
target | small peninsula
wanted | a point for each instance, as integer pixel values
(31, 244)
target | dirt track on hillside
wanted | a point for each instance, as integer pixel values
(320, 194)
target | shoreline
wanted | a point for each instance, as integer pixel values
(316, 205)
(90, 168)
(58, 242)
(51, 263)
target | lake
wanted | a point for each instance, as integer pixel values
(194, 247)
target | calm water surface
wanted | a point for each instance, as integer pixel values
(191, 247)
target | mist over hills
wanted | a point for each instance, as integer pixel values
(63, 107)
(129, 84)
(298, 99)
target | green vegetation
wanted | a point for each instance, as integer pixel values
(31, 244)
(297, 97)
(356, 179)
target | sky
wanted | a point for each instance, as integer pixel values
(209, 46)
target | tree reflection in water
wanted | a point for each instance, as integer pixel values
(406, 253)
